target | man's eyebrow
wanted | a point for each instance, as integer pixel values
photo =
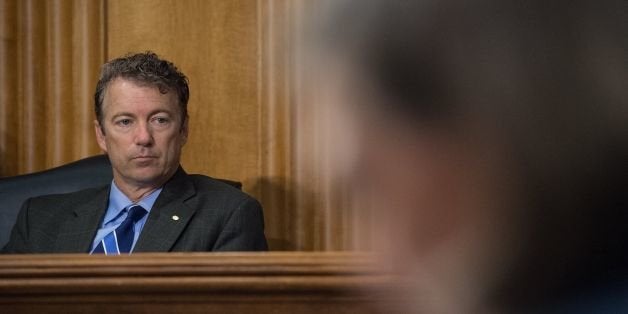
(152, 113)
(121, 114)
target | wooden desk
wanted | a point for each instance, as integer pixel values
(272, 282)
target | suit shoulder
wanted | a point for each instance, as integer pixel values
(68, 198)
(218, 189)
(47, 212)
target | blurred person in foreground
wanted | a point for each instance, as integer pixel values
(491, 138)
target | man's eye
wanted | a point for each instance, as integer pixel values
(123, 122)
(161, 120)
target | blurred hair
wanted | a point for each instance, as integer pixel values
(551, 77)
(144, 68)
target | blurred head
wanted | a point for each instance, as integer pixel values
(141, 119)
(490, 135)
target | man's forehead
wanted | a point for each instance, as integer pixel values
(127, 92)
(137, 83)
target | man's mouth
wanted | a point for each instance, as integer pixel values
(144, 157)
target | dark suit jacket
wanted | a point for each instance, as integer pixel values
(213, 216)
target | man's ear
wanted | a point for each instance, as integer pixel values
(100, 136)
(184, 131)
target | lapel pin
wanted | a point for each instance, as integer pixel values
(175, 217)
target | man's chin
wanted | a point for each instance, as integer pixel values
(148, 175)
(147, 178)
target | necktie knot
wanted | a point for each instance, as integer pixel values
(136, 212)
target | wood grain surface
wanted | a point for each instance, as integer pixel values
(289, 282)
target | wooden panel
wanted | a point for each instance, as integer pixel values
(321, 211)
(49, 55)
(275, 184)
(193, 283)
(215, 44)
(88, 54)
(8, 87)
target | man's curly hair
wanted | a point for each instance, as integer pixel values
(144, 68)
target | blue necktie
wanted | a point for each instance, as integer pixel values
(121, 239)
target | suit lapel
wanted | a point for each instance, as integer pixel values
(168, 217)
(77, 233)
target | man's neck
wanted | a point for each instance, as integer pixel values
(136, 192)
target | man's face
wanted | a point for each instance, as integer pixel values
(143, 133)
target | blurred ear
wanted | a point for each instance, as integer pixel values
(100, 136)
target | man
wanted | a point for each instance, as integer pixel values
(491, 139)
(151, 205)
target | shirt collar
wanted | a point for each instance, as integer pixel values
(118, 202)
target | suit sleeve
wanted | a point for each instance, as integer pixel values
(243, 229)
(18, 242)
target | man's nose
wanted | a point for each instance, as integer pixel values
(143, 135)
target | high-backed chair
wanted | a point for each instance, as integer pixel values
(85, 173)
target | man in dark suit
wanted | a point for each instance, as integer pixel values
(152, 205)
